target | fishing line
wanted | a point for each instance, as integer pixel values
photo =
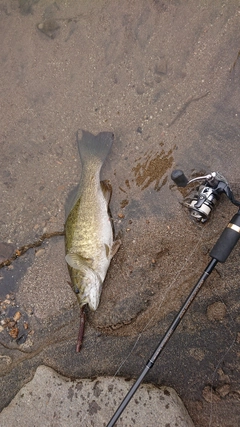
(202, 212)
(234, 336)
(200, 208)
(214, 375)
(203, 230)
(153, 317)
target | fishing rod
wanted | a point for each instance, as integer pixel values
(200, 207)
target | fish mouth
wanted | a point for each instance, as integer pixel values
(90, 297)
(87, 285)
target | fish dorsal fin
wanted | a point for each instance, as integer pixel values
(116, 245)
(107, 250)
(72, 198)
(106, 189)
(77, 261)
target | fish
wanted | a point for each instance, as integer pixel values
(89, 241)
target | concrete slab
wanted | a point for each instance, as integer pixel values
(51, 400)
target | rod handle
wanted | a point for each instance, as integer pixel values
(228, 239)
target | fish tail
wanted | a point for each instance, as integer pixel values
(91, 146)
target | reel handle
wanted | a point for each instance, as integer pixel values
(228, 239)
(179, 178)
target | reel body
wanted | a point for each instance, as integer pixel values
(202, 204)
(213, 185)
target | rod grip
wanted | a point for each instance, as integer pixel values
(228, 239)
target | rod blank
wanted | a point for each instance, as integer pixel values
(163, 341)
(219, 253)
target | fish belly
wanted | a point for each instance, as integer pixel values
(92, 235)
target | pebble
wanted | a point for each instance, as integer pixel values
(49, 27)
(14, 332)
(223, 390)
(25, 325)
(11, 324)
(39, 252)
(223, 377)
(216, 311)
(210, 395)
(121, 215)
(17, 316)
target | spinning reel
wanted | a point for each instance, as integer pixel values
(213, 185)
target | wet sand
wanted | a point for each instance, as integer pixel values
(163, 77)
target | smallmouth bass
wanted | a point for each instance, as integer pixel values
(88, 229)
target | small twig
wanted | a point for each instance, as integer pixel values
(81, 330)
(23, 249)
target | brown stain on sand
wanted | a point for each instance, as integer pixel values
(152, 168)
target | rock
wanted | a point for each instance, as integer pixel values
(223, 377)
(121, 215)
(50, 399)
(210, 395)
(39, 252)
(49, 27)
(17, 316)
(216, 311)
(223, 390)
(14, 333)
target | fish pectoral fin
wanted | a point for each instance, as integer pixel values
(107, 250)
(107, 190)
(76, 261)
(116, 245)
